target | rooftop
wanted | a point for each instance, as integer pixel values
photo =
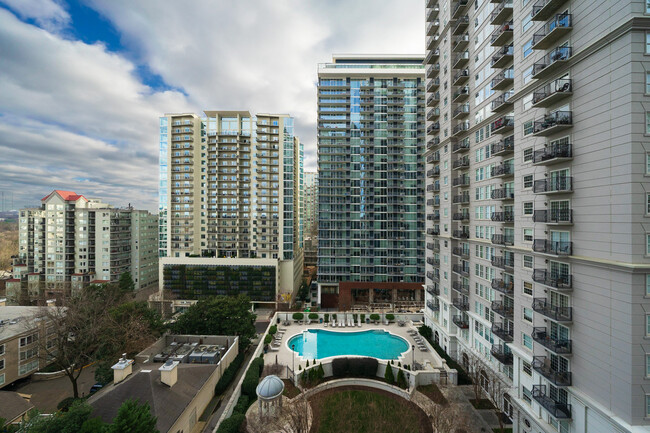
(13, 406)
(13, 320)
(65, 195)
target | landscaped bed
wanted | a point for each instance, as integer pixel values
(434, 393)
(360, 409)
(290, 391)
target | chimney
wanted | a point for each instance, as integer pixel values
(122, 369)
(169, 373)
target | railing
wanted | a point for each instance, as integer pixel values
(463, 126)
(503, 169)
(504, 333)
(463, 73)
(504, 217)
(557, 409)
(502, 122)
(501, 100)
(503, 194)
(543, 366)
(433, 306)
(461, 23)
(503, 262)
(460, 199)
(461, 180)
(433, 127)
(460, 234)
(433, 83)
(552, 279)
(556, 55)
(433, 97)
(461, 57)
(507, 74)
(460, 287)
(501, 353)
(556, 118)
(499, 8)
(460, 269)
(434, 157)
(505, 287)
(460, 321)
(459, 5)
(461, 304)
(433, 276)
(558, 248)
(463, 91)
(502, 29)
(557, 216)
(559, 314)
(503, 239)
(561, 85)
(460, 216)
(501, 53)
(433, 68)
(460, 163)
(502, 309)
(559, 346)
(555, 184)
(460, 40)
(432, 24)
(560, 20)
(562, 150)
(462, 109)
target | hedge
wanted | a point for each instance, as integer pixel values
(229, 374)
(232, 423)
(390, 317)
(374, 317)
(252, 378)
(354, 367)
(298, 316)
(313, 316)
(273, 330)
(463, 378)
(267, 339)
(242, 405)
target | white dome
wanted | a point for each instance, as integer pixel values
(270, 387)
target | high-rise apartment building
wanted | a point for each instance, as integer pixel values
(71, 241)
(230, 205)
(311, 203)
(538, 244)
(371, 181)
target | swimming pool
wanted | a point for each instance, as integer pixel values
(321, 343)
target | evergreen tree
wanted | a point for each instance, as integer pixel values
(390, 378)
(133, 417)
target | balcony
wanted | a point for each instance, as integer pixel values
(501, 35)
(459, 8)
(506, 240)
(504, 333)
(502, 57)
(555, 248)
(503, 194)
(502, 309)
(559, 314)
(461, 268)
(461, 25)
(552, 279)
(461, 321)
(502, 102)
(555, 345)
(433, 99)
(504, 79)
(505, 287)
(460, 287)
(433, 84)
(433, 187)
(433, 142)
(551, 62)
(552, 123)
(501, 353)
(433, 172)
(433, 290)
(554, 185)
(433, 261)
(554, 216)
(461, 198)
(504, 146)
(503, 217)
(552, 92)
(433, 306)
(553, 154)
(557, 409)
(506, 263)
(501, 12)
(558, 27)
(433, 128)
(432, 27)
(461, 181)
(543, 9)
(433, 70)
(460, 234)
(460, 77)
(461, 94)
(461, 304)
(460, 128)
(434, 157)
(433, 55)
(432, 12)
(461, 111)
(433, 246)
(505, 169)
(460, 163)
(460, 42)
(433, 113)
(543, 366)
(502, 124)
(461, 216)
(461, 60)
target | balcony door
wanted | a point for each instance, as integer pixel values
(559, 179)
(559, 300)
(559, 332)
(560, 271)
(560, 241)
(560, 210)
(559, 363)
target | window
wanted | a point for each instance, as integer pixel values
(647, 210)
(528, 208)
(24, 341)
(528, 397)
(647, 82)
(2, 364)
(647, 244)
(647, 163)
(528, 46)
(527, 341)
(527, 101)
(528, 181)
(526, 368)
(528, 155)
(528, 288)
(2, 346)
(647, 285)
(528, 315)
(647, 325)
(647, 122)
(528, 262)
(528, 128)
(527, 75)
(647, 43)
(528, 235)
(647, 365)
(647, 6)
(527, 22)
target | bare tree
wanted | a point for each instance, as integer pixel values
(496, 392)
(474, 367)
(294, 417)
(447, 418)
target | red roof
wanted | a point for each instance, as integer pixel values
(100, 281)
(34, 273)
(13, 280)
(65, 195)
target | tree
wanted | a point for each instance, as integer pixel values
(496, 392)
(447, 418)
(219, 315)
(475, 367)
(125, 283)
(133, 417)
(388, 375)
(295, 417)
(77, 419)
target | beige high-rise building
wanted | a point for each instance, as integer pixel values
(72, 240)
(230, 205)
(311, 203)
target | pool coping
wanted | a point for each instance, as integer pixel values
(402, 358)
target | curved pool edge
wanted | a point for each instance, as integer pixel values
(401, 358)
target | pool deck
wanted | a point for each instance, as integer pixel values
(285, 356)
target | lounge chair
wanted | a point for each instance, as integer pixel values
(325, 324)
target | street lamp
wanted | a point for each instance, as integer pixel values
(413, 350)
(293, 357)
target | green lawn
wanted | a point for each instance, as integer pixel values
(365, 411)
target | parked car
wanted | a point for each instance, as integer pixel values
(96, 387)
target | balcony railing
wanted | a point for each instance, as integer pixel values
(502, 309)
(433, 306)
(501, 12)
(461, 251)
(503, 262)
(461, 25)
(461, 127)
(559, 314)
(460, 321)
(461, 93)
(461, 180)
(502, 101)
(460, 42)
(461, 269)
(553, 185)
(460, 287)
(502, 34)
(434, 157)
(503, 332)
(552, 279)
(461, 110)
(460, 60)
(551, 61)
(434, 276)
(557, 409)
(504, 79)
(505, 287)
(433, 98)
(460, 304)
(555, 345)
(553, 153)
(460, 163)
(553, 122)
(501, 353)
(503, 217)
(433, 261)
(433, 289)
(461, 76)
(434, 127)
(503, 123)
(460, 199)
(503, 194)
(460, 234)
(433, 84)
(503, 240)
(543, 9)
(433, 113)
(432, 27)
(554, 29)
(460, 216)
(503, 169)
(552, 92)
(502, 56)
(557, 248)
(545, 367)
(432, 70)
(553, 216)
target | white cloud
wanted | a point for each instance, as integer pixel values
(46, 13)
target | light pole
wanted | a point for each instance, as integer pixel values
(413, 350)
(293, 357)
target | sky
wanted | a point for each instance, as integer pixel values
(83, 82)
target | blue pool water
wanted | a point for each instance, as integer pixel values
(321, 343)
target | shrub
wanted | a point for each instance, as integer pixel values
(354, 317)
(232, 424)
(313, 375)
(333, 316)
(327, 318)
(65, 404)
(298, 316)
(340, 367)
(356, 368)
(229, 374)
(268, 339)
(363, 317)
(374, 317)
(390, 317)
(426, 332)
(103, 373)
(390, 378)
(242, 404)
(321, 372)
(251, 379)
(273, 330)
(369, 367)
(313, 316)
(401, 379)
